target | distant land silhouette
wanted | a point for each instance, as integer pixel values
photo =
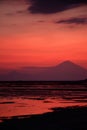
(65, 71)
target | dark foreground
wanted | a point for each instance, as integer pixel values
(70, 118)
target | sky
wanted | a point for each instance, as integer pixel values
(42, 32)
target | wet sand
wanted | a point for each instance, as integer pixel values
(69, 118)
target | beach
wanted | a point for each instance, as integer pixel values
(43, 105)
(70, 118)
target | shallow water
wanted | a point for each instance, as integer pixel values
(20, 100)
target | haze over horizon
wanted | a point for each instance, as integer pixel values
(65, 71)
(42, 33)
(43, 64)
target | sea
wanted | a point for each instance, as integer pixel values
(25, 98)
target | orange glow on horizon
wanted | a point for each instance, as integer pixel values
(37, 40)
(39, 49)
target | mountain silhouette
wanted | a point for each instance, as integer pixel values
(68, 66)
(65, 71)
(68, 70)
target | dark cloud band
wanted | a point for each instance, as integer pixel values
(73, 21)
(53, 6)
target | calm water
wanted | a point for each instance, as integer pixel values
(21, 100)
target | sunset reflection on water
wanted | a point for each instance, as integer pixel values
(25, 101)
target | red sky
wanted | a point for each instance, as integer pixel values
(28, 39)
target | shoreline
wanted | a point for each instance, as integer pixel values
(69, 118)
(44, 82)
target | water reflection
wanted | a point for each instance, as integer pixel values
(37, 99)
